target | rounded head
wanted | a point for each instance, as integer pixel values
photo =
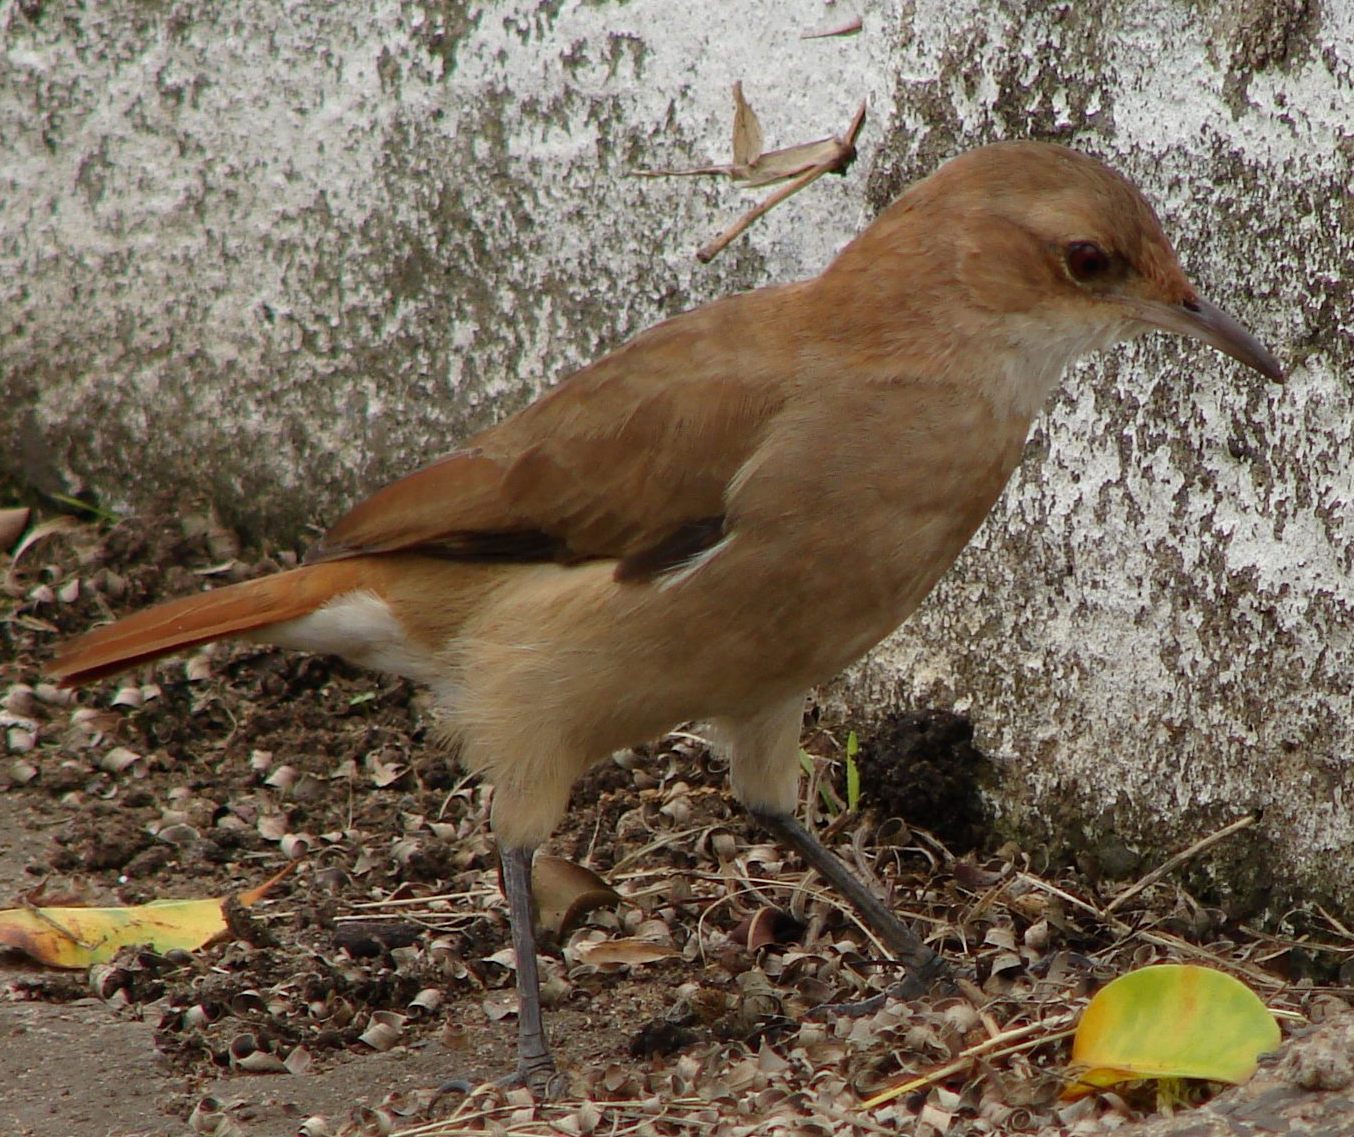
(1042, 233)
(1085, 225)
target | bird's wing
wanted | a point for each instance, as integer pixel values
(628, 459)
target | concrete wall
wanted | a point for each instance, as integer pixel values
(279, 254)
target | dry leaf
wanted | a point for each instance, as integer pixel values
(747, 131)
(754, 167)
(628, 952)
(779, 165)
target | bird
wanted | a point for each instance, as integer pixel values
(724, 511)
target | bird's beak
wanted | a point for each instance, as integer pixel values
(1200, 320)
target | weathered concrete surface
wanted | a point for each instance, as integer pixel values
(286, 254)
(277, 255)
(1156, 628)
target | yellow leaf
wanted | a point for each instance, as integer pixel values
(1170, 1021)
(79, 937)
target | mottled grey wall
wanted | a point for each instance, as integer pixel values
(277, 255)
(1155, 631)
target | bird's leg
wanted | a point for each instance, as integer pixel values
(535, 1067)
(926, 969)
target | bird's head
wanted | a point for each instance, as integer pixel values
(1045, 251)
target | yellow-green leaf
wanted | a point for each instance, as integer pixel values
(79, 937)
(1170, 1021)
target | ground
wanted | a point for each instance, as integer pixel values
(378, 969)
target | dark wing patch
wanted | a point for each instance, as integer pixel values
(496, 545)
(683, 544)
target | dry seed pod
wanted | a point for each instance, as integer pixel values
(678, 809)
(106, 980)
(69, 592)
(209, 1118)
(555, 988)
(247, 1002)
(22, 772)
(383, 1031)
(110, 583)
(182, 812)
(1037, 936)
(20, 699)
(294, 846)
(53, 695)
(243, 1044)
(19, 740)
(767, 926)
(893, 832)
(309, 788)
(283, 778)
(399, 1103)
(425, 1002)
(272, 826)
(565, 892)
(724, 845)
(200, 1015)
(331, 878)
(628, 759)
(758, 1000)
(180, 835)
(329, 1008)
(615, 1077)
(116, 760)
(246, 1054)
(127, 697)
(373, 1122)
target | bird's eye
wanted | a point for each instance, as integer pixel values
(1087, 261)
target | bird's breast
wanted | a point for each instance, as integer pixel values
(832, 547)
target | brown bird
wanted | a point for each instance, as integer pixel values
(726, 510)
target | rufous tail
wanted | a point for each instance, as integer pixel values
(193, 620)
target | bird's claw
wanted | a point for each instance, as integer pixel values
(539, 1075)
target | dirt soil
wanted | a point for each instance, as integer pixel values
(379, 968)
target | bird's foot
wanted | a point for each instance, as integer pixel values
(538, 1075)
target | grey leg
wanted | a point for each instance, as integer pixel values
(535, 1066)
(926, 969)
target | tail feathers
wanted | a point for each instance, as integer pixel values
(192, 620)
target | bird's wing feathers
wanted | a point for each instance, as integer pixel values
(620, 461)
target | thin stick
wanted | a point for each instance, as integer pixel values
(846, 153)
(995, 1047)
(1180, 858)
